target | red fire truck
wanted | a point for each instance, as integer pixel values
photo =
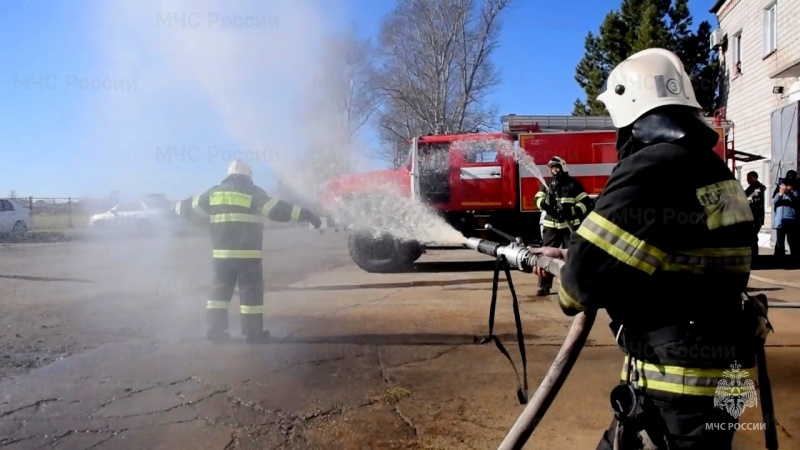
(478, 178)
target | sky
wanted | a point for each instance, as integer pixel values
(144, 96)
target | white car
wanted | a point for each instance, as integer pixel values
(133, 216)
(15, 220)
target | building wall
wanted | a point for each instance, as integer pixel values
(750, 100)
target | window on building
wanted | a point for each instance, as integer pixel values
(736, 53)
(770, 28)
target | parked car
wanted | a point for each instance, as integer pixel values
(15, 220)
(135, 217)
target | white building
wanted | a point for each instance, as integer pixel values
(759, 46)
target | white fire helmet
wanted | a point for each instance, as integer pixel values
(239, 167)
(646, 80)
(558, 161)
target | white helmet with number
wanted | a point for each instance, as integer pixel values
(558, 161)
(239, 167)
(646, 80)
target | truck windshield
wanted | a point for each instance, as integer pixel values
(434, 157)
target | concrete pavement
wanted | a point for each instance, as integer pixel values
(359, 360)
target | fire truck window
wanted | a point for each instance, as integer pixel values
(435, 158)
(481, 156)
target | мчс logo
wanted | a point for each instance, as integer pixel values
(735, 392)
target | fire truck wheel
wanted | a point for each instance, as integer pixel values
(384, 254)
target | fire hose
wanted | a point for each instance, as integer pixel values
(519, 256)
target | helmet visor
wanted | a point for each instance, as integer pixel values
(603, 91)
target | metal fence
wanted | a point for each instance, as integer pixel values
(55, 213)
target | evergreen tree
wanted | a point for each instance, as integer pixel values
(642, 24)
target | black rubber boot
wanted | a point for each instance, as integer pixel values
(258, 338)
(543, 292)
(218, 336)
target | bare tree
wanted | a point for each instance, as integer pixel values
(342, 104)
(436, 68)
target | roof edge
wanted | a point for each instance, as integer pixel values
(717, 6)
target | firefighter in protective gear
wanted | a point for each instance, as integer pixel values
(669, 263)
(564, 203)
(235, 210)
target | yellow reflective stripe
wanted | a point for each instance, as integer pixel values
(581, 206)
(216, 304)
(295, 214)
(620, 244)
(230, 198)
(235, 217)
(269, 205)
(725, 203)
(245, 309)
(563, 200)
(567, 301)
(549, 223)
(237, 253)
(735, 259)
(581, 196)
(538, 199)
(196, 206)
(679, 380)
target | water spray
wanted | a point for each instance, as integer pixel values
(519, 256)
(524, 159)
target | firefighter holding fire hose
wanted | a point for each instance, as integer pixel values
(235, 210)
(669, 263)
(564, 203)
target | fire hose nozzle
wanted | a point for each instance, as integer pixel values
(518, 256)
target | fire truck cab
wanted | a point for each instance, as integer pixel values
(478, 178)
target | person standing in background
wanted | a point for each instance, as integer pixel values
(790, 175)
(785, 221)
(755, 195)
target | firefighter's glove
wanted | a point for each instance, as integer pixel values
(552, 211)
(548, 207)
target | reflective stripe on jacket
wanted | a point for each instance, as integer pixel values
(656, 249)
(236, 210)
(676, 380)
(570, 195)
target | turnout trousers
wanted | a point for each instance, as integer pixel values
(250, 277)
(553, 237)
(790, 235)
(689, 422)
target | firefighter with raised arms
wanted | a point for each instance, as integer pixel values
(564, 203)
(669, 260)
(235, 210)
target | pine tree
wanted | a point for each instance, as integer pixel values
(642, 24)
